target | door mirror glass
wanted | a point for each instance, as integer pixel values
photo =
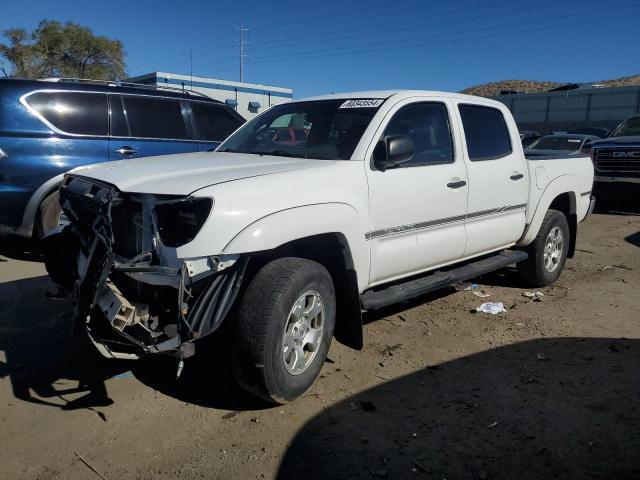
(393, 150)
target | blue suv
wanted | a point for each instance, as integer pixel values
(50, 126)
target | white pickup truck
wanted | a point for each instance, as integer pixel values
(281, 241)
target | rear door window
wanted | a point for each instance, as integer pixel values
(486, 132)
(119, 127)
(77, 113)
(213, 122)
(150, 117)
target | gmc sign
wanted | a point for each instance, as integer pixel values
(635, 154)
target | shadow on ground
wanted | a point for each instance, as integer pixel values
(48, 365)
(633, 239)
(18, 248)
(617, 198)
(548, 408)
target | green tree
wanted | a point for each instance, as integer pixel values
(54, 49)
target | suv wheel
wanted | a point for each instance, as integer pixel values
(548, 252)
(285, 325)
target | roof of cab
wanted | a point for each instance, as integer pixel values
(385, 94)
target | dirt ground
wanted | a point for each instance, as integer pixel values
(549, 389)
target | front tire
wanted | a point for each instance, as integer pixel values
(284, 329)
(548, 252)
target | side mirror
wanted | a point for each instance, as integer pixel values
(392, 151)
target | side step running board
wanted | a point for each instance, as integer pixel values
(373, 299)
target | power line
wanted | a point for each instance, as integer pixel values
(457, 39)
(184, 53)
(338, 17)
(379, 31)
(387, 45)
(180, 57)
(304, 26)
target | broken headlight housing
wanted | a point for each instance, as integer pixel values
(179, 222)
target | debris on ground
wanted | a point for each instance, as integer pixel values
(541, 356)
(535, 296)
(388, 350)
(420, 466)
(465, 286)
(605, 268)
(492, 308)
(493, 424)
(91, 467)
(482, 294)
(624, 267)
(229, 415)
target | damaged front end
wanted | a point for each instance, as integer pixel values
(118, 259)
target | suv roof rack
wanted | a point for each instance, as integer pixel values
(120, 83)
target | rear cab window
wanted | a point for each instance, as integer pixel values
(485, 131)
(75, 113)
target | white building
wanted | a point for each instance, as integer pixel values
(248, 99)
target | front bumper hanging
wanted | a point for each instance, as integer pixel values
(148, 302)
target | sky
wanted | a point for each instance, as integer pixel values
(333, 45)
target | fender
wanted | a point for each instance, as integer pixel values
(558, 186)
(31, 210)
(278, 228)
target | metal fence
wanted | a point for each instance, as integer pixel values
(593, 107)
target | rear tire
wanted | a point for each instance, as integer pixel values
(548, 252)
(285, 324)
(49, 215)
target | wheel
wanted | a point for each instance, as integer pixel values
(50, 215)
(548, 252)
(285, 325)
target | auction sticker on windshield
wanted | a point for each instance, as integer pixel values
(363, 103)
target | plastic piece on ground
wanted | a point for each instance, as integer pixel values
(464, 286)
(492, 308)
(535, 296)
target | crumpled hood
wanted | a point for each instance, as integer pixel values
(182, 174)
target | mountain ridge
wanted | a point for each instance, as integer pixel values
(491, 89)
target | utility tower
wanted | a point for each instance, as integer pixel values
(242, 43)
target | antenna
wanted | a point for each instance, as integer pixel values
(241, 41)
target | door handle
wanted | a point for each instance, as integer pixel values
(456, 183)
(126, 151)
(516, 176)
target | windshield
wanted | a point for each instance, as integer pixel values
(324, 129)
(557, 143)
(628, 128)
